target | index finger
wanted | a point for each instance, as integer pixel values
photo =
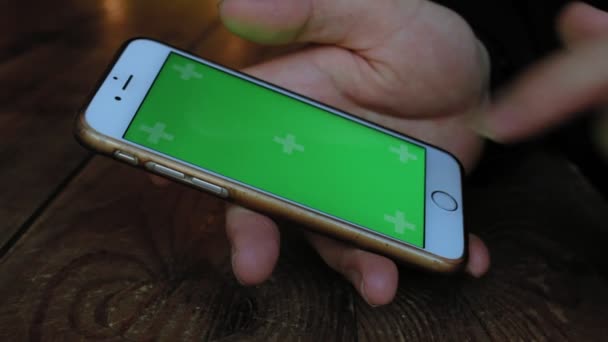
(549, 94)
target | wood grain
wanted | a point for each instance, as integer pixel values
(51, 56)
(546, 228)
(108, 256)
(117, 258)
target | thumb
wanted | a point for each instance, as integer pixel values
(345, 23)
(580, 23)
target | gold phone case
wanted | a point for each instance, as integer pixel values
(263, 203)
(260, 202)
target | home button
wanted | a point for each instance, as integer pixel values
(444, 201)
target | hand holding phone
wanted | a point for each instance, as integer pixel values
(362, 262)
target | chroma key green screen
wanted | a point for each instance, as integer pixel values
(288, 148)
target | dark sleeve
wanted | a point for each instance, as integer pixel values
(516, 32)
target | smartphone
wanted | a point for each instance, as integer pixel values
(279, 153)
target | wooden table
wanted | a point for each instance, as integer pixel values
(91, 251)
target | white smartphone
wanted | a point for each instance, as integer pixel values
(269, 149)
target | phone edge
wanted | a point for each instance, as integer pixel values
(411, 255)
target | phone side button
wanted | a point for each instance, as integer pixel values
(163, 170)
(125, 157)
(212, 188)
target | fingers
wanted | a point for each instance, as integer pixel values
(255, 250)
(255, 245)
(580, 23)
(549, 94)
(340, 22)
(555, 89)
(373, 276)
(479, 257)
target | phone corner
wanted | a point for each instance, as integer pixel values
(82, 131)
(450, 266)
(87, 136)
(457, 162)
(140, 40)
(458, 265)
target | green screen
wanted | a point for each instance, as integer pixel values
(286, 147)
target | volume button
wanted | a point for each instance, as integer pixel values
(212, 188)
(163, 170)
(127, 158)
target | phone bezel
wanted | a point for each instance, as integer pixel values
(143, 58)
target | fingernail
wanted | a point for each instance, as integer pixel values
(356, 278)
(469, 270)
(233, 262)
(363, 291)
(470, 273)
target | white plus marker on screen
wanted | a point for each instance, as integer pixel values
(187, 72)
(401, 224)
(404, 154)
(289, 144)
(156, 133)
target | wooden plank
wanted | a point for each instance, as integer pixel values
(546, 228)
(51, 55)
(117, 258)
